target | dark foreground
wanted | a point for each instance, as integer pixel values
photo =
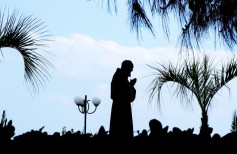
(157, 140)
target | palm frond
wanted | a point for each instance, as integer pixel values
(197, 19)
(3, 119)
(234, 123)
(27, 35)
(164, 74)
(138, 17)
(198, 77)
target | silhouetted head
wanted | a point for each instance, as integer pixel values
(127, 67)
(155, 124)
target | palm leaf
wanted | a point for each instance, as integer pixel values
(26, 34)
(201, 78)
(3, 119)
(234, 123)
(138, 17)
(198, 19)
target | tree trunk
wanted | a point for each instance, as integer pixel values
(204, 130)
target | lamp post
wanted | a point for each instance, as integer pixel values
(83, 106)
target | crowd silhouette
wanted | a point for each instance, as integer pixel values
(157, 137)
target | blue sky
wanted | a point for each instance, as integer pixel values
(88, 45)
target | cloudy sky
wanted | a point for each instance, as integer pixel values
(88, 45)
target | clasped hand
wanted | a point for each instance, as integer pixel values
(133, 81)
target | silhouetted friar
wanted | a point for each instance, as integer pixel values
(123, 94)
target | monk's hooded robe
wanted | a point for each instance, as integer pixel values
(122, 94)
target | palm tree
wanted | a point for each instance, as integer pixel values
(26, 34)
(200, 78)
(197, 18)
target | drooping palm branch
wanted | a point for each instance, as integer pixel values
(197, 18)
(27, 35)
(200, 78)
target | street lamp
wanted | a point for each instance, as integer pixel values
(83, 106)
